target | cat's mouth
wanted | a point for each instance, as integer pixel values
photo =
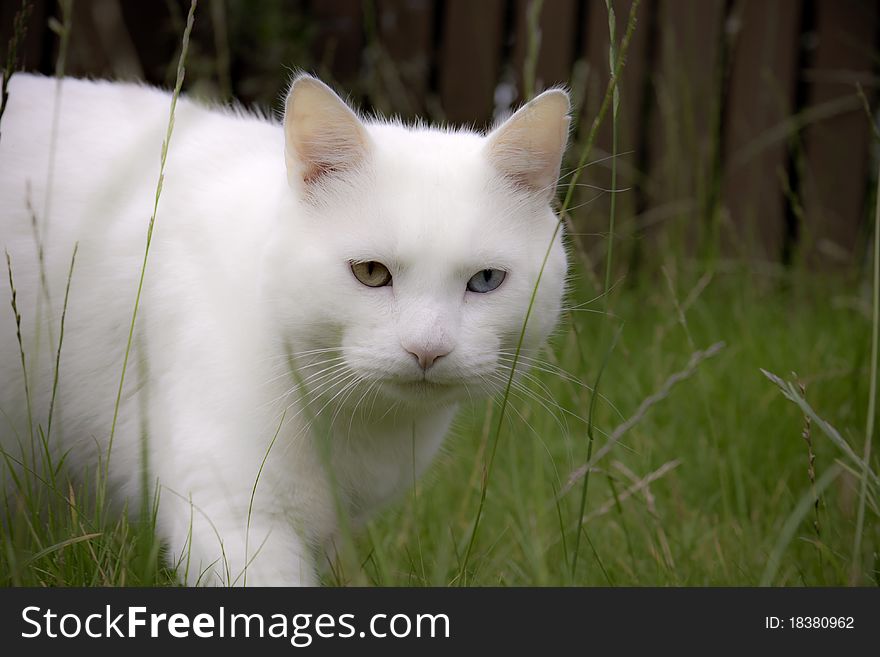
(420, 384)
(420, 388)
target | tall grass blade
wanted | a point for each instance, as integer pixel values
(649, 401)
(612, 84)
(615, 106)
(60, 342)
(791, 392)
(800, 511)
(590, 443)
(533, 47)
(855, 573)
(17, 315)
(165, 145)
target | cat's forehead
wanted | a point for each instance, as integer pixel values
(430, 150)
(433, 194)
(429, 181)
(440, 176)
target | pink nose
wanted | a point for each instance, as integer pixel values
(427, 356)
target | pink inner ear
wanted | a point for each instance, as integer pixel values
(522, 180)
(315, 172)
(329, 154)
(525, 169)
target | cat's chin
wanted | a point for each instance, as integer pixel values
(424, 392)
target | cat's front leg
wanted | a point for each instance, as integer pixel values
(214, 546)
(228, 511)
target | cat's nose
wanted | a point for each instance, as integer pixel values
(427, 356)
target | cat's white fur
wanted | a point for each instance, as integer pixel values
(248, 280)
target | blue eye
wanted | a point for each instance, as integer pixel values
(486, 280)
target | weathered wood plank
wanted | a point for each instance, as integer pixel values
(684, 135)
(760, 101)
(557, 24)
(837, 147)
(339, 39)
(470, 59)
(405, 32)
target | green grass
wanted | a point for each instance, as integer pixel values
(712, 519)
(710, 486)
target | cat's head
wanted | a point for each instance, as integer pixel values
(411, 255)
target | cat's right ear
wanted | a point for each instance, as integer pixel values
(527, 149)
(323, 136)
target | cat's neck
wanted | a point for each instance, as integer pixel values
(376, 459)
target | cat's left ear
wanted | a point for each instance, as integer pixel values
(323, 136)
(527, 148)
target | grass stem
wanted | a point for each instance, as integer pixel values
(855, 573)
(165, 145)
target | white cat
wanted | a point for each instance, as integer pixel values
(319, 297)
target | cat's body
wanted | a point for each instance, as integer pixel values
(260, 353)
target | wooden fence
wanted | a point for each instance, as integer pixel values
(740, 125)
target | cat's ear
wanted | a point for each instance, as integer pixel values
(323, 136)
(527, 148)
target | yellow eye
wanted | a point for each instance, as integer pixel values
(371, 273)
